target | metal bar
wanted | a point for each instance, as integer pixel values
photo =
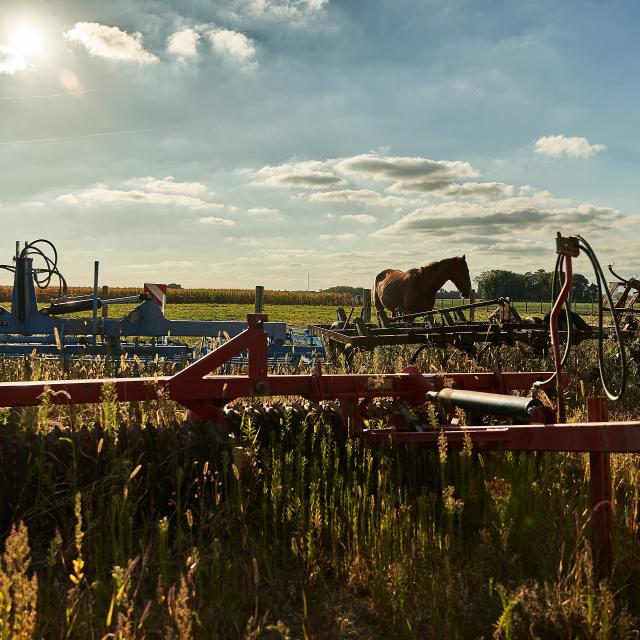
(259, 299)
(470, 305)
(600, 492)
(21, 281)
(604, 437)
(555, 344)
(94, 312)
(194, 386)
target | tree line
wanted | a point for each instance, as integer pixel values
(534, 285)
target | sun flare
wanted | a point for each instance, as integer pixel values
(27, 39)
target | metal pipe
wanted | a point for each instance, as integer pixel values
(600, 492)
(259, 299)
(461, 307)
(555, 340)
(94, 325)
(496, 404)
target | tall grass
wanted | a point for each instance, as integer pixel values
(121, 521)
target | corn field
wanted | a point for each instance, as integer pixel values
(215, 296)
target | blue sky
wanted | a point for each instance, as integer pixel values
(257, 141)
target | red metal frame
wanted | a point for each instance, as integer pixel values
(195, 389)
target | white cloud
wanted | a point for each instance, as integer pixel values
(503, 219)
(264, 214)
(361, 196)
(233, 45)
(465, 191)
(301, 175)
(339, 236)
(283, 8)
(263, 211)
(361, 218)
(169, 185)
(164, 264)
(102, 194)
(559, 146)
(221, 222)
(184, 44)
(11, 60)
(110, 42)
(377, 167)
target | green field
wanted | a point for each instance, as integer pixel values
(302, 315)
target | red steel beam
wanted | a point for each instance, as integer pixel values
(603, 437)
(227, 387)
(600, 491)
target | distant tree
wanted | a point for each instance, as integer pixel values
(581, 291)
(354, 291)
(534, 285)
(443, 293)
(499, 282)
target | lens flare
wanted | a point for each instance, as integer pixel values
(27, 39)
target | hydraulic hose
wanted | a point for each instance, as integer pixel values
(42, 277)
(600, 281)
(558, 276)
(612, 394)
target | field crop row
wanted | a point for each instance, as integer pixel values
(211, 296)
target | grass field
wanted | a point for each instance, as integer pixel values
(301, 315)
(138, 526)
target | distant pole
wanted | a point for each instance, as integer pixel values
(307, 283)
(94, 323)
(259, 302)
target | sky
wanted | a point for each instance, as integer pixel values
(286, 142)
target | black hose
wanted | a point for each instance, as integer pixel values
(600, 280)
(43, 276)
(558, 275)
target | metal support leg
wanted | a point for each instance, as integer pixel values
(601, 493)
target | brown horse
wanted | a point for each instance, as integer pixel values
(415, 290)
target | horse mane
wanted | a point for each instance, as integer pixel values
(431, 267)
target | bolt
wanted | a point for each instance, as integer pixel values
(261, 388)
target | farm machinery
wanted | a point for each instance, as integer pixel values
(143, 331)
(456, 327)
(504, 410)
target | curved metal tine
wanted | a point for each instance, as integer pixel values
(615, 275)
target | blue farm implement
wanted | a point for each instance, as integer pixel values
(144, 331)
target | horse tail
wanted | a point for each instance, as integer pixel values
(376, 296)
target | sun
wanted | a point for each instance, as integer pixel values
(27, 39)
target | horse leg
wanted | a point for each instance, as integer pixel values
(429, 303)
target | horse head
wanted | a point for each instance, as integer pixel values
(461, 277)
